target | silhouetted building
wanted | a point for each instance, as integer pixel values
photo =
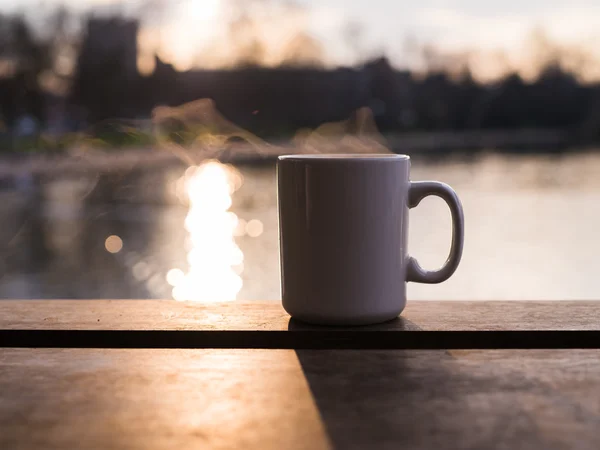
(107, 68)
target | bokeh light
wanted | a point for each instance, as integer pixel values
(175, 276)
(254, 228)
(113, 244)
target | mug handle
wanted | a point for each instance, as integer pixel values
(417, 192)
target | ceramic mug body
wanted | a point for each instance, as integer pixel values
(343, 231)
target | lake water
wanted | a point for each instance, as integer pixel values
(532, 232)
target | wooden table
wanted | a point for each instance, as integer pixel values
(162, 374)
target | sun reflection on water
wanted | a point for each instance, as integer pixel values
(214, 259)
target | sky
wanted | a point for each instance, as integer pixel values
(382, 26)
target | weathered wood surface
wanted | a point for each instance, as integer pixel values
(270, 316)
(170, 324)
(274, 399)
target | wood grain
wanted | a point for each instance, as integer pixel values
(270, 316)
(495, 399)
(170, 324)
(272, 399)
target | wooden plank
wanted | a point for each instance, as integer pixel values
(495, 399)
(272, 399)
(170, 324)
(153, 399)
(270, 316)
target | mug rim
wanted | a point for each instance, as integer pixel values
(345, 157)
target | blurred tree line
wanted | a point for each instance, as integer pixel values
(69, 79)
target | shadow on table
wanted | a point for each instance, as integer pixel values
(379, 398)
(416, 399)
(397, 324)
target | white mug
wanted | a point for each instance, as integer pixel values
(343, 233)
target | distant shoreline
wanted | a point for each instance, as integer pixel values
(415, 144)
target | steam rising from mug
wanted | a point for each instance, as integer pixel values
(199, 125)
(193, 132)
